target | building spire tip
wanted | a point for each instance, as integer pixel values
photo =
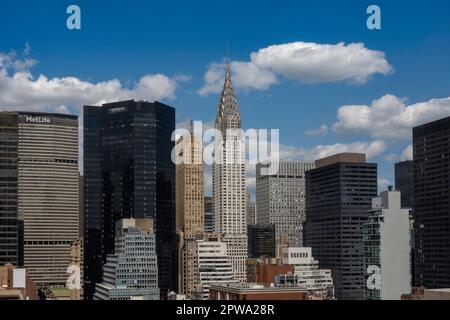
(227, 53)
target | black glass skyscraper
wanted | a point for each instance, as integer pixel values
(128, 173)
(339, 195)
(431, 144)
(404, 182)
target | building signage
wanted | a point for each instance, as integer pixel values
(116, 110)
(37, 119)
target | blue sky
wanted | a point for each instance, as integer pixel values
(133, 41)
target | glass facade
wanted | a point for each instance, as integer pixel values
(404, 182)
(128, 173)
(431, 144)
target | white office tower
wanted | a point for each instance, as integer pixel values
(229, 194)
(280, 198)
(131, 273)
(213, 266)
(386, 245)
(307, 273)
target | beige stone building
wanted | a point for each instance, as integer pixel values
(189, 206)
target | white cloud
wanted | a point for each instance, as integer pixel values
(156, 86)
(245, 76)
(389, 117)
(213, 79)
(19, 89)
(383, 184)
(407, 153)
(250, 76)
(322, 130)
(182, 77)
(316, 63)
(392, 157)
(371, 149)
(27, 49)
(300, 61)
(11, 61)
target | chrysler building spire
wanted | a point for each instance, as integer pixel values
(228, 115)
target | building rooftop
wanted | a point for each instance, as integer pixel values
(443, 290)
(42, 114)
(345, 157)
(253, 287)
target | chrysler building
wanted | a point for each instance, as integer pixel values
(229, 194)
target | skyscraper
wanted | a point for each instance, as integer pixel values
(339, 195)
(404, 182)
(261, 241)
(128, 173)
(280, 198)
(229, 179)
(431, 144)
(189, 205)
(386, 245)
(132, 271)
(39, 217)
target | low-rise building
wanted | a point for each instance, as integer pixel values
(252, 291)
(263, 271)
(307, 272)
(15, 284)
(421, 293)
(176, 296)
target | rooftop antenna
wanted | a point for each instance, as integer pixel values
(227, 53)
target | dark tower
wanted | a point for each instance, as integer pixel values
(128, 173)
(404, 182)
(431, 143)
(339, 196)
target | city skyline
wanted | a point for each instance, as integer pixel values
(393, 74)
(172, 151)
